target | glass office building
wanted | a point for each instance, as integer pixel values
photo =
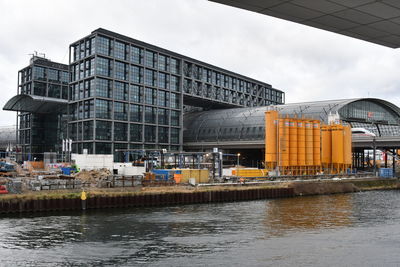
(41, 103)
(127, 94)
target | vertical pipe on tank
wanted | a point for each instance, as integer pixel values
(317, 143)
(301, 144)
(271, 125)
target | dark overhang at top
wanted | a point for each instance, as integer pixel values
(35, 104)
(376, 21)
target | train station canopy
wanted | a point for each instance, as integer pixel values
(370, 20)
(246, 124)
(35, 104)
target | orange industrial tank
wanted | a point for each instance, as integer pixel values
(301, 143)
(347, 146)
(337, 144)
(284, 142)
(317, 143)
(293, 142)
(309, 143)
(271, 138)
(326, 145)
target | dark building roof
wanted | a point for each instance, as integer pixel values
(35, 104)
(370, 20)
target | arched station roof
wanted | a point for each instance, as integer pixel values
(248, 123)
(35, 104)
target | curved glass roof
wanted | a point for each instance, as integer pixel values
(35, 104)
(7, 136)
(248, 123)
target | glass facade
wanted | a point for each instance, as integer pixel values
(39, 133)
(138, 91)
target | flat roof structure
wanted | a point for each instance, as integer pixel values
(369, 20)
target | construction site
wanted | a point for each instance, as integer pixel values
(184, 124)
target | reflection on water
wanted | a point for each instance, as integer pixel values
(309, 213)
(295, 231)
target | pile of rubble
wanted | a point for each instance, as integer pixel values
(93, 176)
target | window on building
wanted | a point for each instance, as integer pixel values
(39, 73)
(103, 109)
(103, 45)
(162, 80)
(104, 67)
(150, 133)
(150, 77)
(88, 109)
(174, 136)
(103, 130)
(136, 55)
(87, 130)
(174, 66)
(52, 75)
(163, 134)
(136, 74)
(150, 59)
(64, 77)
(174, 101)
(135, 93)
(103, 148)
(163, 62)
(135, 113)
(175, 121)
(163, 116)
(64, 92)
(39, 88)
(120, 131)
(135, 133)
(120, 91)
(121, 70)
(103, 88)
(150, 96)
(54, 90)
(120, 111)
(119, 50)
(174, 85)
(162, 98)
(150, 115)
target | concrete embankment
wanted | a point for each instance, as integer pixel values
(164, 196)
(303, 188)
(156, 197)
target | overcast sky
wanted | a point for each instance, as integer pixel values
(306, 63)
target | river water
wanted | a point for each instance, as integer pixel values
(360, 229)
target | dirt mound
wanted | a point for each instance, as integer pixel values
(93, 176)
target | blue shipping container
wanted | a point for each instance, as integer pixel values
(164, 174)
(386, 172)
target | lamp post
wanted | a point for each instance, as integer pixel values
(238, 156)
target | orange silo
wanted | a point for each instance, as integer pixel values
(301, 143)
(293, 142)
(309, 143)
(317, 143)
(326, 146)
(347, 142)
(283, 142)
(337, 147)
(271, 138)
